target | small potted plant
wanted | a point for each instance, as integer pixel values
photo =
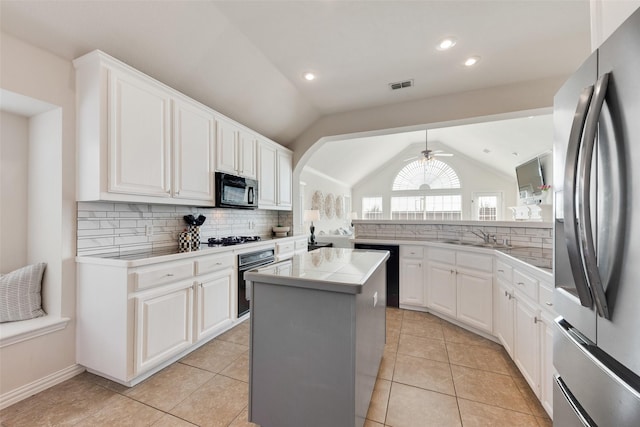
(280, 231)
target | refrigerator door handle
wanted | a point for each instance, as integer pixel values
(587, 245)
(579, 413)
(569, 202)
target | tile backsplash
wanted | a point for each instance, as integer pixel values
(105, 227)
(529, 236)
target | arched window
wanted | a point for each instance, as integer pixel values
(426, 175)
(430, 190)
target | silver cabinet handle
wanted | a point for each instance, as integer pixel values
(169, 274)
(177, 192)
(500, 271)
(535, 319)
(521, 283)
(550, 304)
(584, 198)
(569, 197)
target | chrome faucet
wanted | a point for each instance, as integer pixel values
(486, 237)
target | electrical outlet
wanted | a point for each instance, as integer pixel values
(148, 230)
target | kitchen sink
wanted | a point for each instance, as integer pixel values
(477, 244)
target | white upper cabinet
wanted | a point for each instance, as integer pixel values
(139, 140)
(236, 152)
(274, 176)
(285, 171)
(247, 155)
(267, 175)
(193, 151)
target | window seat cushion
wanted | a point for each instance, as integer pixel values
(20, 297)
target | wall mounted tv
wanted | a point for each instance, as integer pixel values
(529, 177)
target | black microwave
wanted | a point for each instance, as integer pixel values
(236, 192)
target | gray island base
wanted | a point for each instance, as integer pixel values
(317, 337)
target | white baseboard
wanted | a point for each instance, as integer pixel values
(27, 390)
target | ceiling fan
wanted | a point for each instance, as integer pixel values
(426, 154)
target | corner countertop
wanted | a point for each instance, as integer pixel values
(328, 269)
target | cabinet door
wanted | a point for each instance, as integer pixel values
(504, 315)
(193, 147)
(226, 146)
(139, 140)
(441, 288)
(247, 155)
(285, 193)
(267, 176)
(213, 303)
(164, 324)
(412, 282)
(547, 370)
(527, 342)
(475, 299)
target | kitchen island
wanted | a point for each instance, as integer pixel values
(317, 338)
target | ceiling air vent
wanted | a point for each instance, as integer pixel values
(401, 85)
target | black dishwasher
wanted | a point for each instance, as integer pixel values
(393, 271)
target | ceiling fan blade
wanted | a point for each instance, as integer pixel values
(411, 158)
(443, 154)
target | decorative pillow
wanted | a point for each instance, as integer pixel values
(20, 293)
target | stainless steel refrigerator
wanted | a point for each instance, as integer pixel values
(597, 237)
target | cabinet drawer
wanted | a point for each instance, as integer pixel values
(161, 274)
(214, 263)
(446, 256)
(412, 251)
(545, 297)
(504, 271)
(284, 247)
(475, 261)
(301, 244)
(526, 284)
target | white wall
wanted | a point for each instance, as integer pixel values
(468, 107)
(316, 181)
(474, 177)
(40, 75)
(606, 16)
(14, 140)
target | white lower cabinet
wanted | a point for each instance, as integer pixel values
(460, 285)
(213, 303)
(527, 341)
(475, 298)
(412, 290)
(441, 286)
(164, 319)
(504, 312)
(546, 359)
(132, 321)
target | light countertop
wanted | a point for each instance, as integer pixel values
(330, 269)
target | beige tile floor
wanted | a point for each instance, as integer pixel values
(433, 374)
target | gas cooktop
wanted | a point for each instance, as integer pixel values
(231, 240)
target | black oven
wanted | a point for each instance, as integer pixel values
(249, 261)
(236, 192)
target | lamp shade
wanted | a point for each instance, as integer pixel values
(311, 215)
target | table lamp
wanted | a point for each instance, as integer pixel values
(312, 215)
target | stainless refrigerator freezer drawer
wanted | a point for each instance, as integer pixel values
(566, 411)
(594, 380)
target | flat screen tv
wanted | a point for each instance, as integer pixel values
(529, 177)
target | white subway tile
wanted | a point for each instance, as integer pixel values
(95, 206)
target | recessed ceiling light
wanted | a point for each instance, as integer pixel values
(309, 76)
(446, 44)
(471, 61)
(486, 151)
(515, 153)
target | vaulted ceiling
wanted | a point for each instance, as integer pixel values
(246, 58)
